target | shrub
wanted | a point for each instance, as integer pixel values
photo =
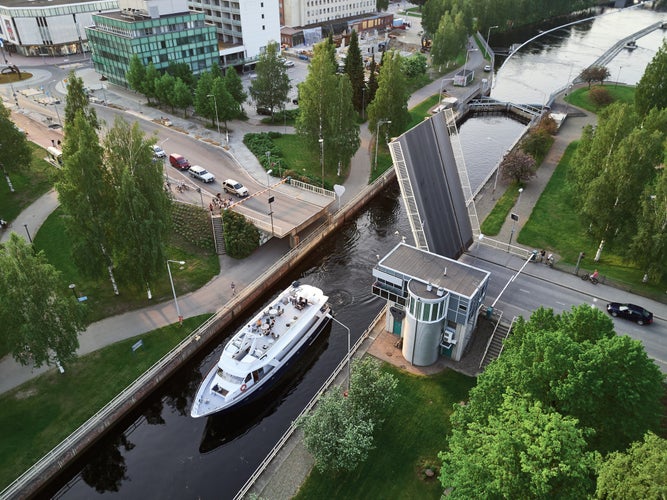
(600, 96)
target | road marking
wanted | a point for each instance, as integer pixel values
(524, 290)
(561, 303)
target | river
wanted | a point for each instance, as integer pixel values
(160, 452)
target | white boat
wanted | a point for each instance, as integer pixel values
(263, 348)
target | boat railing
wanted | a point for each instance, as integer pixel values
(294, 426)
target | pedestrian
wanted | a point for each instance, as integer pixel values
(210, 207)
(542, 254)
(233, 289)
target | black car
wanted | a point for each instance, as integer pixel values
(630, 311)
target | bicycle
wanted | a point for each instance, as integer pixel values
(591, 278)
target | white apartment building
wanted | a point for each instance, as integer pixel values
(244, 27)
(311, 12)
(48, 27)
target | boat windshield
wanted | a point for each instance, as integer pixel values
(229, 377)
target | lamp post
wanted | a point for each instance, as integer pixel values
(28, 233)
(72, 287)
(268, 183)
(268, 164)
(514, 218)
(488, 34)
(495, 181)
(618, 77)
(348, 352)
(363, 102)
(215, 104)
(321, 141)
(519, 199)
(377, 134)
(173, 290)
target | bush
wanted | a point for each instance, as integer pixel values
(193, 225)
(241, 237)
(600, 96)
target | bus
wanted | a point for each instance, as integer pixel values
(54, 156)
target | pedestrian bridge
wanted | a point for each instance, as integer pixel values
(524, 112)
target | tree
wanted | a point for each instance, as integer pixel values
(182, 96)
(650, 91)
(183, 71)
(594, 74)
(372, 81)
(15, 153)
(372, 392)
(141, 214)
(574, 364)
(77, 100)
(136, 74)
(271, 87)
(342, 132)
(518, 166)
(432, 15)
(228, 108)
(164, 90)
(87, 197)
(234, 86)
(415, 65)
(536, 143)
(354, 69)
(40, 318)
(649, 244)
(600, 96)
(204, 105)
(148, 84)
(337, 438)
(241, 237)
(524, 450)
(446, 42)
(391, 99)
(639, 472)
(381, 5)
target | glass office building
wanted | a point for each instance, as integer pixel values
(179, 38)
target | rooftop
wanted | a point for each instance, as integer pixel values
(428, 267)
(15, 4)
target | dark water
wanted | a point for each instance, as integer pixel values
(160, 452)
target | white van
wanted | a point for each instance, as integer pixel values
(234, 187)
(200, 173)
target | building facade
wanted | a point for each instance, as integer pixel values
(160, 31)
(319, 12)
(434, 302)
(48, 27)
(244, 27)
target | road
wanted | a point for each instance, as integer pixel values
(540, 285)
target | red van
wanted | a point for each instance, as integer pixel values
(179, 161)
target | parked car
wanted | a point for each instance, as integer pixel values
(487, 68)
(158, 152)
(288, 63)
(200, 173)
(234, 187)
(630, 311)
(179, 161)
(263, 111)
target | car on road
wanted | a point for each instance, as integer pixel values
(630, 311)
(201, 174)
(234, 187)
(487, 68)
(158, 152)
(288, 63)
(179, 161)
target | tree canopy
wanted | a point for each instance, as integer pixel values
(652, 87)
(15, 152)
(271, 87)
(40, 319)
(391, 99)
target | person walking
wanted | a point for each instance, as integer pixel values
(233, 289)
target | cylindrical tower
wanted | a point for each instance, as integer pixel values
(424, 322)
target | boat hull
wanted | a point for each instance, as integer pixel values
(260, 389)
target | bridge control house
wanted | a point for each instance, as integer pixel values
(434, 302)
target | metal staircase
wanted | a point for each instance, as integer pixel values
(496, 343)
(218, 239)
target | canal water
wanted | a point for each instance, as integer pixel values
(160, 452)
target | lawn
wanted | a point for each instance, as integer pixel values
(580, 97)
(555, 225)
(495, 220)
(408, 443)
(200, 266)
(39, 414)
(29, 184)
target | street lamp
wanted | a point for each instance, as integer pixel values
(488, 34)
(519, 199)
(268, 183)
(268, 164)
(173, 290)
(72, 287)
(321, 141)
(514, 218)
(619, 75)
(348, 352)
(495, 181)
(377, 134)
(215, 103)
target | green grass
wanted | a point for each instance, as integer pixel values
(414, 432)
(580, 97)
(29, 184)
(200, 267)
(39, 414)
(495, 220)
(556, 226)
(303, 162)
